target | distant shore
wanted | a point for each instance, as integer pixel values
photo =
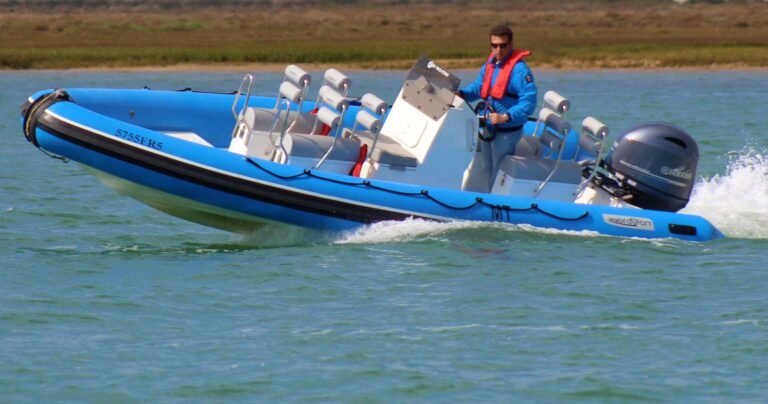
(574, 36)
(278, 67)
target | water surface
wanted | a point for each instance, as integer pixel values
(105, 299)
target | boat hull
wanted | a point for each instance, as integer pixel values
(207, 184)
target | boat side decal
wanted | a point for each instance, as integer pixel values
(629, 222)
(142, 140)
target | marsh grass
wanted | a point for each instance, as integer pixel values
(574, 36)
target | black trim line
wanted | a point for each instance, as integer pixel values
(93, 140)
(215, 180)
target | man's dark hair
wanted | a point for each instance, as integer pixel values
(502, 30)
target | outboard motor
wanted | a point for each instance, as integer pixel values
(655, 165)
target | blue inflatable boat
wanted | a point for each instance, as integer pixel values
(237, 161)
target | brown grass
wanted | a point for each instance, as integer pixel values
(576, 35)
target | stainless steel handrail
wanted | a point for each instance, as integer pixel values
(248, 78)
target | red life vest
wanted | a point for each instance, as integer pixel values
(500, 86)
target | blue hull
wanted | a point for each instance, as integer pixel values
(122, 136)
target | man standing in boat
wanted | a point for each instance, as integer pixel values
(506, 84)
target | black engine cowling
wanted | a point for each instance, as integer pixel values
(656, 164)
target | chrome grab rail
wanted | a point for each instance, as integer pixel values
(280, 102)
(239, 116)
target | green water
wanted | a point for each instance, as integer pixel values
(103, 299)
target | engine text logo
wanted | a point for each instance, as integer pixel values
(629, 222)
(432, 65)
(678, 172)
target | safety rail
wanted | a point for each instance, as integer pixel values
(331, 114)
(556, 130)
(280, 139)
(554, 102)
(593, 138)
(239, 116)
(332, 80)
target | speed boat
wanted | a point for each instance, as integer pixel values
(334, 162)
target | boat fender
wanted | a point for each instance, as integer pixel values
(298, 76)
(33, 112)
(337, 79)
(554, 121)
(333, 98)
(369, 121)
(595, 127)
(374, 104)
(290, 91)
(325, 129)
(598, 131)
(557, 102)
(328, 117)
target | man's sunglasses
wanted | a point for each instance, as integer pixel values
(499, 45)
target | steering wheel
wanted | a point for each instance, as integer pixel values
(489, 130)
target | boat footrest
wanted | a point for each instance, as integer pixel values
(315, 147)
(538, 169)
(387, 150)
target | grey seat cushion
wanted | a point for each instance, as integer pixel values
(528, 146)
(315, 146)
(537, 169)
(261, 120)
(387, 150)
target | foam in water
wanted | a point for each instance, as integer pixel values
(736, 202)
(272, 235)
(402, 231)
(413, 229)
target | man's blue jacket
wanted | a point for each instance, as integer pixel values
(520, 98)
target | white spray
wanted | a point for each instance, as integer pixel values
(737, 201)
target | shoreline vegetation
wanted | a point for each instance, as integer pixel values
(581, 34)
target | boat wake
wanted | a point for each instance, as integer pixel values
(737, 201)
(276, 235)
(404, 231)
(422, 230)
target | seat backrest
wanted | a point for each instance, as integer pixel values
(374, 104)
(553, 136)
(337, 80)
(365, 120)
(295, 84)
(593, 139)
(332, 107)
(555, 131)
(339, 83)
(292, 91)
(369, 118)
(269, 122)
(332, 100)
(593, 136)
(553, 102)
(556, 102)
